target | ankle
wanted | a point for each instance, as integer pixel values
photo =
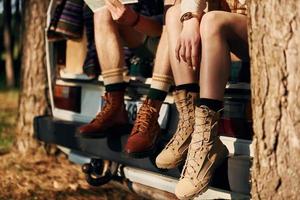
(212, 104)
(156, 104)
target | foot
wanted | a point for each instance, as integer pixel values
(113, 114)
(206, 152)
(175, 151)
(145, 132)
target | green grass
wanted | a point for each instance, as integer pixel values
(8, 115)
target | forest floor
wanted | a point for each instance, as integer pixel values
(42, 176)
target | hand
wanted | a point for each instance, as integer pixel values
(188, 44)
(122, 14)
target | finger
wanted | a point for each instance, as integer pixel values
(182, 52)
(118, 3)
(195, 54)
(113, 2)
(111, 9)
(177, 49)
(110, 6)
(188, 54)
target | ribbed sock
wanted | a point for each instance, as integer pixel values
(191, 87)
(114, 80)
(159, 87)
(212, 104)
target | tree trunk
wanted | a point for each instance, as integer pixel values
(9, 69)
(34, 90)
(274, 36)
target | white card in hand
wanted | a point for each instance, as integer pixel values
(97, 4)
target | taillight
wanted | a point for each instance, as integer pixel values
(67, 97)
(237, 119)
(237, 128)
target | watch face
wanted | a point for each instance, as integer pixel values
(187, 16)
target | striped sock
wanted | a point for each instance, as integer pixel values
(114, 80)
(160, 87)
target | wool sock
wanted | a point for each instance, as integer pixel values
(114, 80)
(159, 87)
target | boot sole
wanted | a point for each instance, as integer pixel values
(169, 166)
(218, 163)
(92, 135)
(142, 154)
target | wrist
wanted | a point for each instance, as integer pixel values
(191, 25)
(194, 21)
(188, 16)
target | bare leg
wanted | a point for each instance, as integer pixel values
(221, 32)
(108, 40)
(181, 72)
(162, 67)
(162, 62)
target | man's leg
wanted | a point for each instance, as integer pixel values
(111, 56)
(146, 130)
(220, 33)
(187, 89)
(109, 38)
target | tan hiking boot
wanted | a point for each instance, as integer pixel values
(145, 132)
(175, 151)
(206, 152)
(113, 114)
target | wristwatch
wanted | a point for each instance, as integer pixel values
(189, 15)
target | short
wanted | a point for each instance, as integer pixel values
(234, 6)
(237, 6)
(148, 48)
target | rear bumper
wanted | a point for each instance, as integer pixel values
(55, 131)
(233, 175)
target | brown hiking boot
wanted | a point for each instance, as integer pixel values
(145, 132)
(113, 114)
(206, 152)
(175, 151)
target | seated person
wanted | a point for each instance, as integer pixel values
(117, 24)
(218, 33)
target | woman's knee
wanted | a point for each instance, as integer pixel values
(212, 24)
(172, 16)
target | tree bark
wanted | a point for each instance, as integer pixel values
(7, 40)
(34, 89)
(274, 38)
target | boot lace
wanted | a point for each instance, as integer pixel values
(145, 117)
(198, 147)
(106, 111)
(185, 121)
